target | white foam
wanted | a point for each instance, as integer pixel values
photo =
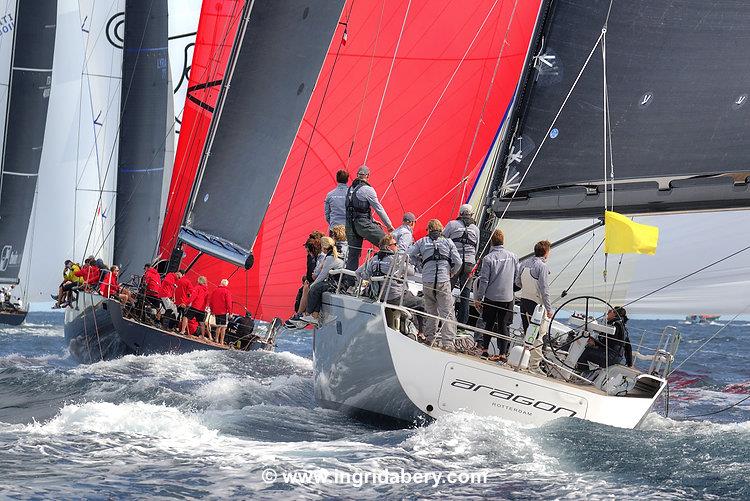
(699, 426)
(186, 367)
(302, 362)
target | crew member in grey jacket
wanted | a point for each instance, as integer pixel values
(404, 234)
(465, 234)
(335, 203)
(361, 200)
(440, 260)
(494, 295)
(532, 280)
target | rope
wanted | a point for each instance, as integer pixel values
(718, 411)
(440, 98)
(387, 82)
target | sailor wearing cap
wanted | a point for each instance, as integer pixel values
(464, 232)
(361, 199)
(404, 234)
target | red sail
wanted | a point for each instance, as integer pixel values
(423, 121)
(217, 30)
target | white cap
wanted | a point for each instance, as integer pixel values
(363, 170)
(466, 210)
(224, 282)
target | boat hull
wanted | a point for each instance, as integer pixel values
(15, 318)
(362, 366)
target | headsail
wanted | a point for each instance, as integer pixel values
(670, 112)
(273, 71)
(143, 113)
(30, 29)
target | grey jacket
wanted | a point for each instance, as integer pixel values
(380, 266)
(499, 268)
(454, 230)
(327, 264)
(539, 272)
(423, 249)
(335, 205)
(404, 237)
(368, 193)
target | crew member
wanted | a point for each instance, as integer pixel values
(615, 349)
(198, 303)
(533, 281)
(439, 260)
(338, 234)
(335, 203)
(70, 281)
(312, 246)
(89, 273)
(465, 234)
(361, 199)
(221, 307)
(404, 234)
(182, 300)
(321, 284)
(494, 297)
(166, 293)
(151, 283)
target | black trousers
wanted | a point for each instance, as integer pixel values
(497, 316)
(527, 311)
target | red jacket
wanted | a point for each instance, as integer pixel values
(221, 301)
(109, 286)
(168, 285)
(89, 273)
(153, 282)
(182, 292)
(199, 297)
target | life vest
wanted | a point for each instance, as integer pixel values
(438, 256)
(356, 208)
(529, 286)
(466, 238)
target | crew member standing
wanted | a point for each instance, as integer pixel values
(464, 232)
(404, 234)
(440, 260)
(494, 297)
(335, 204)
(198, 303)
(533, 280)
(182, 300)
(221, 307)
(361, 200)
(166, 293)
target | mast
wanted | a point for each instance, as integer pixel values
(143, 115)
(33, 26)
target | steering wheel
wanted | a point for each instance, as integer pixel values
(580, 332)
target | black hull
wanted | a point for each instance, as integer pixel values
(16, 318)
(92, 337)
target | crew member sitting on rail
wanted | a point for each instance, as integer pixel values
(109, 287)
(612, 350)
(221, 307)
(314, 256)
(70, 281)
(321, 283)
(182, 300)
(198, 303)
(338, 234)
(89, 273)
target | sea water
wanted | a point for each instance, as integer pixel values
(230, 424)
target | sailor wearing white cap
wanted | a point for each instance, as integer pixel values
(404, 234)
(361, 200)
(465, 234)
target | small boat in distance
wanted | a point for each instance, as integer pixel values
(702, 318)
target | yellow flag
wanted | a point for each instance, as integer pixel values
(623, 236)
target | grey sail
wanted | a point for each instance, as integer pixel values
(678, 110)
(273, 69)
(32, 27)
(143, 113)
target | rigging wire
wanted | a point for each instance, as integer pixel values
(302, 164)
(717, 411)
(387, 82)
(440, 98)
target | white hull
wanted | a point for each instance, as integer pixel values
(363, 366)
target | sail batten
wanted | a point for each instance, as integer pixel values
(675, 103)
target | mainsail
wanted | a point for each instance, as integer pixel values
(395, 92)
(654, 110)
(217, 30)
(143, 112)
(29, 28)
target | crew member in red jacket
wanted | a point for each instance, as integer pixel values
(182, 299)
(89, 273)
(198, 303)
(109, 287)
(152, 284)
(166, 293)
(221, 307)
